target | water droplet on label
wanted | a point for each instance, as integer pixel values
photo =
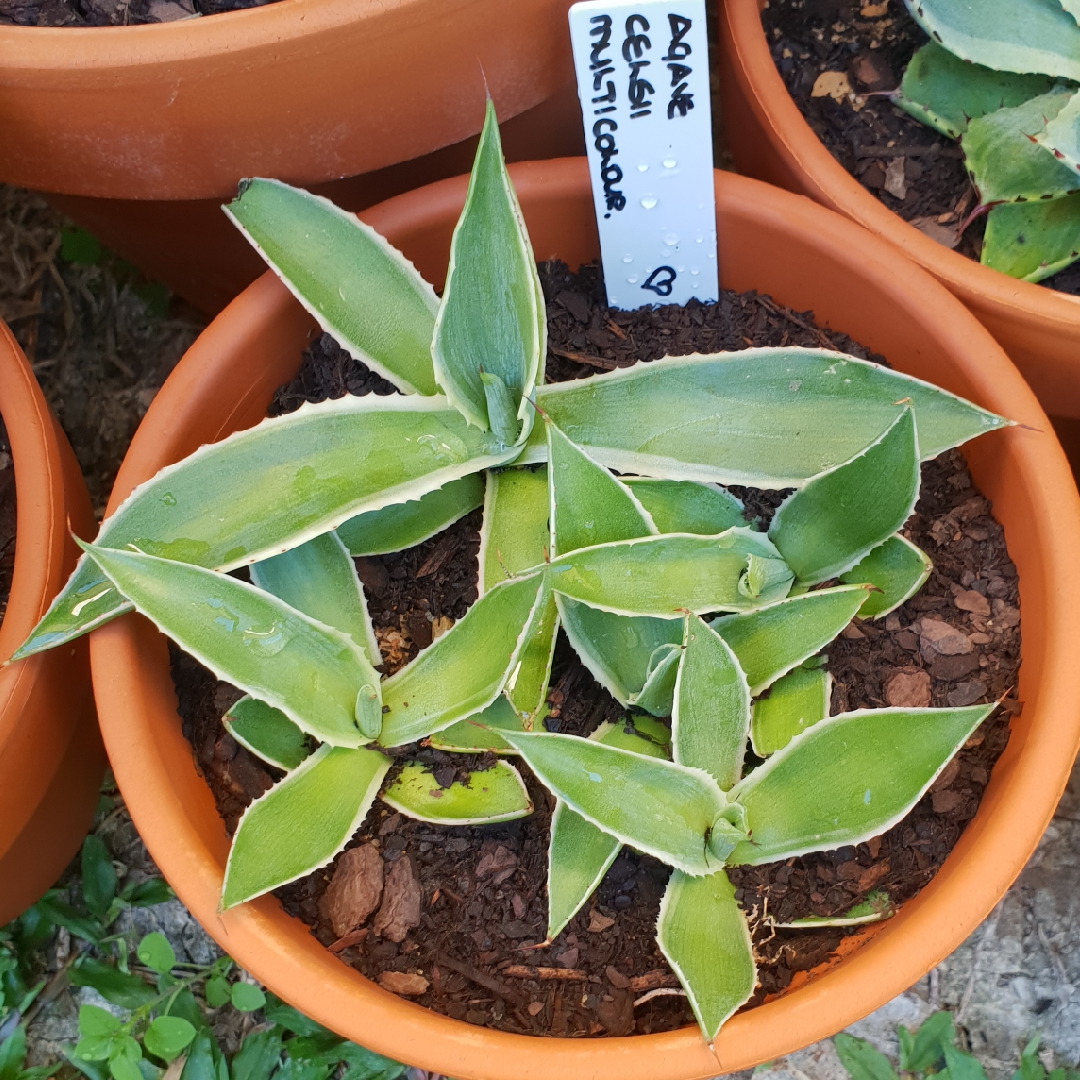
(671, 239)
(628, 258)
(632, 279)
(712, 254)
(649, 201)
(669, 163)
(694, 270)
(643, 167)
(679, 269)
(169, 499)
(699, 238)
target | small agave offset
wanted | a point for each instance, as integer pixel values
(1001, 76)
(603, 515)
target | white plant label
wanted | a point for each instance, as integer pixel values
(643, 80)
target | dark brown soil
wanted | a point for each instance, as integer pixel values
(113, 12)
(808, 37)
(478, 928)
(7, 520)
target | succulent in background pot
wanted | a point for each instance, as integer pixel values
(772, 241)
(51, 758)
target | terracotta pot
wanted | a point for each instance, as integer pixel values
(1038, 327)
(803, 256)
(51, 757)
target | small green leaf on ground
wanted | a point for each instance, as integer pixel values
(247, 998)
(156, 953)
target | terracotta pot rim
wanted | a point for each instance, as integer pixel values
(769, 94)
(990, 853)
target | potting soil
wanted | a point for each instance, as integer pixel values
(113, 12)
(463, 913)
(912, 169)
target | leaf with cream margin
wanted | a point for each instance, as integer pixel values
(945, 92)
(847, 779)
(1024, 36)
(686, 505)
(658, 807)
(480, 732)
(515, 537)
(797, 701)
(362, 291)
(256, 642)
(491, 319)
(664, 576)
(323, 464)
(1032, 241)
(1006, 160)
(465, 669)
(830, 524)
(897, 568)
(1061, 136)
(579, 853)
(704, 935)
(772, 640)
(710, 720)
(488, 796)
(768, 418)
(302, 822)
(874, 908)
(656, 695)
(320, 579)
(406, 524)
(267, 732)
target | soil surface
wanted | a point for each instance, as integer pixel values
(113, 12)
(912, 169)
(463, 914)
(7, 520)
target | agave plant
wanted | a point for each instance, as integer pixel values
(1001, 77)
(627, 564)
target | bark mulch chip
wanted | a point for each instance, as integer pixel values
(461, 919)
(912, 169)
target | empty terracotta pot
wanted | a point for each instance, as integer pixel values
(51, 757)
(805, 257)
(1038, 327)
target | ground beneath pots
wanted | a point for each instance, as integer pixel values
(475, 950)
(914, 171)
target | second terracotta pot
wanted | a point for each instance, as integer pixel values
(804, 257)
(1038, 327)
(51, 757)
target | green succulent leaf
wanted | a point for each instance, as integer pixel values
(579, 853)
(1061, 136)
(1005, 158)
(167, 1037)
(1024, 36)
(657, 695)
(267, 732)
(480, 732)
(495, 794)
(325, 463)
(795, 702)
(946, 92)
(302, 822)
(661, 808)
(861, 1060)
(320, 579)
(710, 721)
(704, 936)
(361, 290)
(256, 642)
(830, 524)
(664, 576)
(847, 779)
(897, 569)
(772, 640)
(874, 908)
(1032, 241)
(769, 418)
(467, 668)
(491, 319)
(686, 505)
(403, 525)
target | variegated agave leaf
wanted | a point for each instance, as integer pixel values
(797, 701)
(1025, 36)
(480, 732)
(490, 331)
(897, 569)
(847, 778)
(1061, 136)
(768, 418)
(325, 463)
(267, 732)
(686, 505)
(256, 642)
(302, 822)
(486, 797)
(362, 291)
(1034, 240)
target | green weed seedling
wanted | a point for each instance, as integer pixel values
(604, 514)
(1001, 77)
